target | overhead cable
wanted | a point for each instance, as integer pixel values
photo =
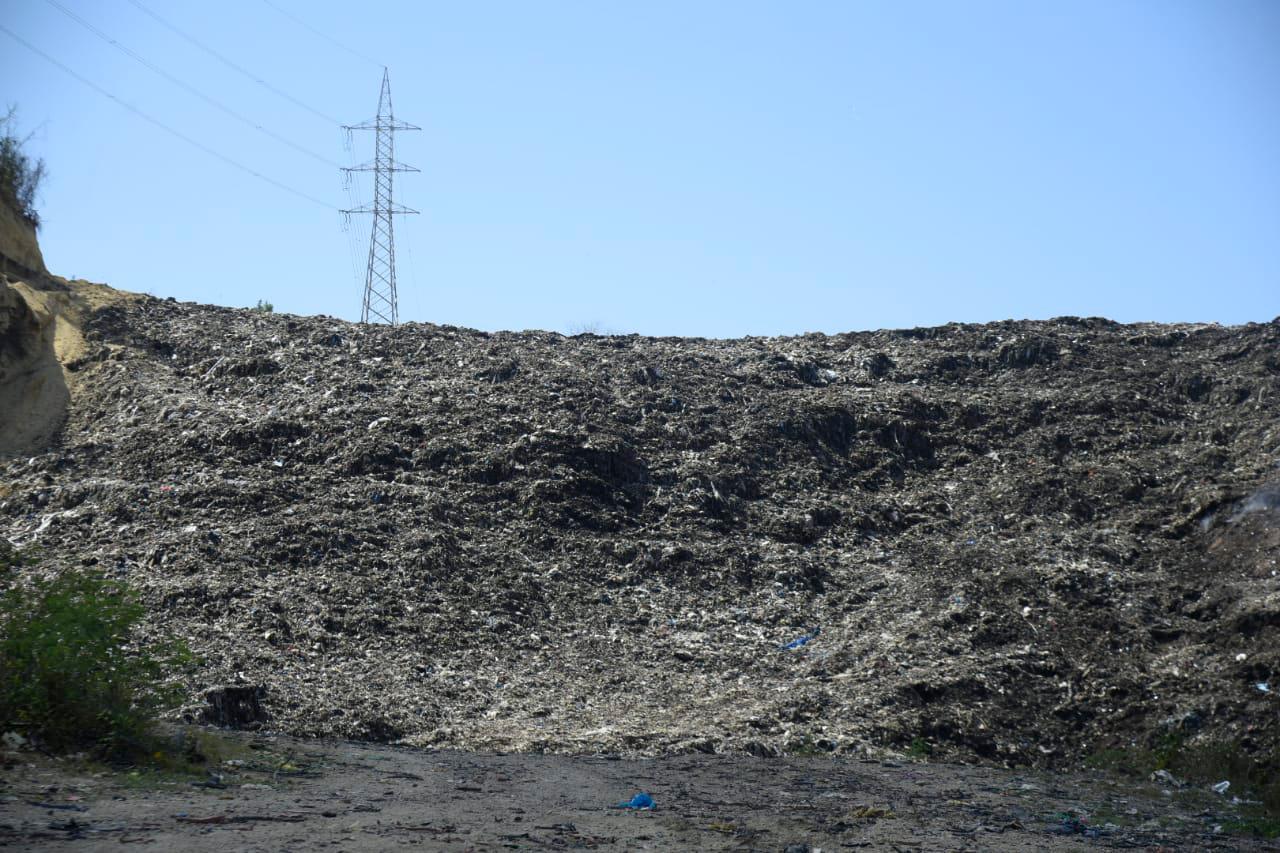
(166, 128)
(188, 87)
(324, 36)
(233, 65)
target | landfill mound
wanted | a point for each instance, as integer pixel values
(1019, 542)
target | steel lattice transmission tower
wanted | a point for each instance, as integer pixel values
(380, 301)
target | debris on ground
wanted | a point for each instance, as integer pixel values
(802, 640)
(372, 797)
(1024, 541)
(639, 802)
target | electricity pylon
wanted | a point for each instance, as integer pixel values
(380, 301)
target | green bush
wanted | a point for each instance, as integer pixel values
(20, 176)
(68, 675)
(264, 307)
(920, 748)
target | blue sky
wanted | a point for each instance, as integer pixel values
(688, 168)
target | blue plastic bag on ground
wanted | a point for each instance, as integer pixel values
(639, 802)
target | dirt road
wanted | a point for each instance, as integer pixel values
(286, 794)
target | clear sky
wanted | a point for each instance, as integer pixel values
(691, 168)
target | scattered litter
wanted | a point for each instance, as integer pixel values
(1263, 687)
(872, 813)
(1265, 499)
(64, 807)
(71, 825)
(1221, 787)
(241, 818)
(215, 784)
(1072, 824)
(800, 641)
(735, 487)
(640, 802)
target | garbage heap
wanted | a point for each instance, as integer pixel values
(1020, 542)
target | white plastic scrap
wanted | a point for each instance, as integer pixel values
(1221, 787)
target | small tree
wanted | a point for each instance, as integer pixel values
(70, 673)
(20, 177)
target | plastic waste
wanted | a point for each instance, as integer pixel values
(1071, 824)
(1263, 687)
(1221, 787)
(800, 641)
(639, 802)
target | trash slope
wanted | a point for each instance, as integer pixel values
(1021, 541)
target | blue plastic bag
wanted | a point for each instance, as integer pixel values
(639, 802)
(800, 641)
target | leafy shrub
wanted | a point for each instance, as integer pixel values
(20, 177)
(264, 307)
(68, 676)
(920, 748)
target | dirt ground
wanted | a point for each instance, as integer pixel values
(281, 793)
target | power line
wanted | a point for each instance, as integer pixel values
(351, 182)
(354, 193)
(324, 36)
(188, 87)
(166, 128)
(235, 66)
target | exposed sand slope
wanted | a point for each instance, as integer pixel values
(19, 249)
(40, 324)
